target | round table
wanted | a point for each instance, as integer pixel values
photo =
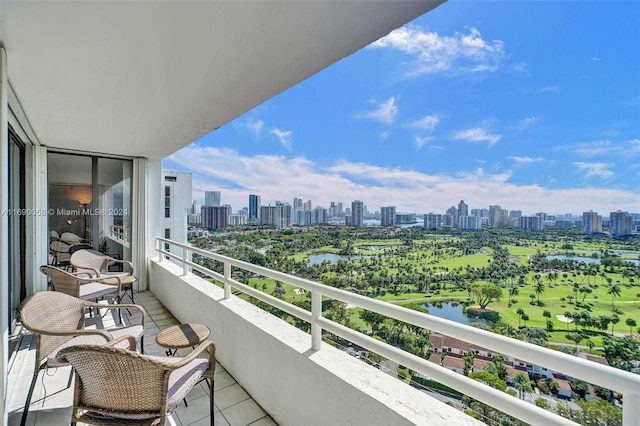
(182, 336)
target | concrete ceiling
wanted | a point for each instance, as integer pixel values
(148, 78)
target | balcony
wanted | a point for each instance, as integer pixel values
(52, 400)
(274, 373)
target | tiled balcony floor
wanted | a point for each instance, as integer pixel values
(233, 406)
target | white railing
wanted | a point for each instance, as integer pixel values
(591, 372)
(119, 234)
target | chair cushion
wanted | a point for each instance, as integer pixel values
(182, 380)
(95, 339)
(95, 290)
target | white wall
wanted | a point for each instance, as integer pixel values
(272, 360)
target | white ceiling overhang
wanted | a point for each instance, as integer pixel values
(147, 78)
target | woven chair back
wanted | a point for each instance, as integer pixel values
(117, 382)
(47, 311)
(62, 281)
(90, 259)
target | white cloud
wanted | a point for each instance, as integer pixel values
(477, 134)
(282, 178)
(593, 149)
(255, 127)
(433, 53)
(385, 113)
(596, 59)
(598, 170)
(526, 160)
(428, 122)
(527, 122)
(420, 142)
(284, 136)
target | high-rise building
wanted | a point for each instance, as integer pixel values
(284, 218)
(388, 216)
(357, 213)
(212, 198)
(620, 224)
(432, 221)
(470, 222)
(496, 216)
(177, 205)
(463, 210)
(319, 215)
(307, 205)
(533, 223)
(214, 218)
(269, 215)
(591, 223)
(296, 208)
(515, 214)
(254, 207)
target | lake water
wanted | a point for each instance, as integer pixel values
(316, 259)
(447, 310)
(587, 260)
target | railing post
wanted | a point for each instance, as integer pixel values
(631, 409)
(316, 312)
(185, 257)
(159, 248)
(227, 283)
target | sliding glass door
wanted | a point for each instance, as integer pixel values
(90, 197)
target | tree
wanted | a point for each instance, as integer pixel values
(631, 323)
(575, 337)
(468, 362)
(497, 367)
(539, 288)
(520, 313)
(614, 291)
(279, 291)
(597, 412)
(542, 403)
(374, 319)
(525, 318)
(489, 380)
(486, 293)
(521, 383)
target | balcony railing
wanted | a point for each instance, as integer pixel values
(591, 372)
(119, 234)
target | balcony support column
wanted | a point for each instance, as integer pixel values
(227, 278)
(4, 228)
(316, 312)
(631, 409)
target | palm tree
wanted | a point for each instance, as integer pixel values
(521, 383)
(539, 288)
(614, 291)
(468, 362)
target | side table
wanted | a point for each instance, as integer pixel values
(182, 336)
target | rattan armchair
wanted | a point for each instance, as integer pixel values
(97, 264)
(82, 285)
(57, 321)
(116, 386)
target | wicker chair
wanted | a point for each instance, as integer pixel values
(97, 264)
(71, 238)
(57, 321)
(82, 285)
(60, 251)
(116, 386)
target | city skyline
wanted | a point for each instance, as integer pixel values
(474, 101)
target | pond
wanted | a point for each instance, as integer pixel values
(451, 311)
(317, 259)
(587, 260)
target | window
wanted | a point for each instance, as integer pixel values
(170, 179)
(167, 212)
(167, 191)
(167, 234)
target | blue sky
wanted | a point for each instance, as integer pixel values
(530, 105)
